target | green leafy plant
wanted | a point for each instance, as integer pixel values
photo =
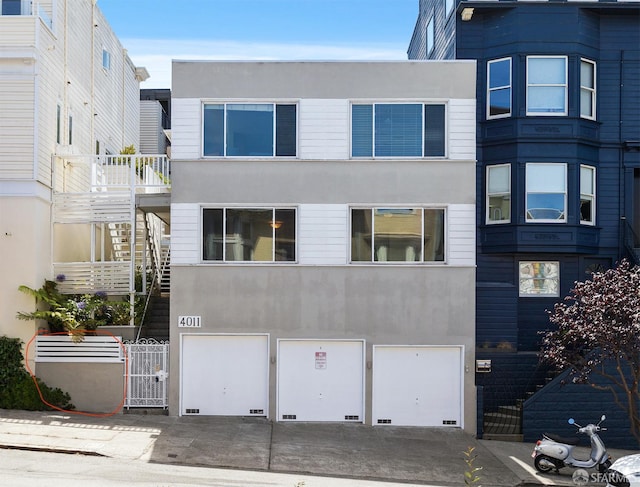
(76, 313)
(470, 474)
(18, 389)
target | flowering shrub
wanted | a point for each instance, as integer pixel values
(75, 312)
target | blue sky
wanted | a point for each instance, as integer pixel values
(156, 31)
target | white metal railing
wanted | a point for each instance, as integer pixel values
(29, 8)
(91, 277)
(105, 207)
(140, 173)
(62, 348)
(148, 373)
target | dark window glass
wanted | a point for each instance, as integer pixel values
(434, 140)
(213, 130)
(212, 234)
(362, 130)
(285, 130)
(249, 130)
(11, 7)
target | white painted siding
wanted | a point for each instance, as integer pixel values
(152, 138)
(324, 129)
(462, 129)
(323, 231)
(185, 233)
(185, 128)
(16, 126)
(461, 232)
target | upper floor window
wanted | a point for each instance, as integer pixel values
(430, 35)
(499, 88)
(11, 7)
(106, 59)
(398, 130)
(539, 279)
(397, 235)
(587, 89)
(249, 129)
(499, 193)
(546, 198)
(70, 127)
(546, 85)
(448, 6)
(249, 234)
(587, 195)
(58, 124)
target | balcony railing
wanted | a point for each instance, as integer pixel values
(26, 8)
(139, 173)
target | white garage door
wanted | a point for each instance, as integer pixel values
(225, 375)
(417, 386)
(321, 380)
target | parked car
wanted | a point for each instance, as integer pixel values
(624, 472)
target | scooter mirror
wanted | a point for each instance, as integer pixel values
(603, 418)
(571, 421)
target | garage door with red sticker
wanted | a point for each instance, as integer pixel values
(417, 385)
(321, 380)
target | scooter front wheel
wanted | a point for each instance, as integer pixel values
(544, 464)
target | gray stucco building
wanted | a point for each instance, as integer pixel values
(323, 241)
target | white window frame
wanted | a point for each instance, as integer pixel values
(563, 85)
(489, 90)
(106, 59)
(224, 260)
(528, 279)
(526, 205)
(588, 196)
(488, 196)
(249, 102)
(414, 208)
(430, 35)
(588, 89)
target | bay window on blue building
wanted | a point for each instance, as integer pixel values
(558, 176)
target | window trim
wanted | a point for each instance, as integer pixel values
(224, 260)
(538, 295)
(423, 104)
(430, 39)
(489, 89)
(592, 91)
(591, 197)
(488, 196)
(224, 104)
(564, 113)
(526, 194)
(412, 207)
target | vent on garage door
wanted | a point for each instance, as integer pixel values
(384, 421)
(351, 418)
(192, 411)
(256, 411)
(289, 416)
(449, 421)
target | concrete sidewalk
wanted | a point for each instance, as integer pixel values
(418, 455)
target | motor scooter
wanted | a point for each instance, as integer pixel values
(556, 452)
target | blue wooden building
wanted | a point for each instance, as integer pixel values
(558, 177)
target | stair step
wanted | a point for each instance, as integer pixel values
(503, 437)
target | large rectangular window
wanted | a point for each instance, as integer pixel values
(587, 195)
(539, 279)
(249, 130)
(499, 88)
(499, 193)
(587, 89)
(397, 235)
(546, 85)
(249, 234)
(398, 130)
(546, 198)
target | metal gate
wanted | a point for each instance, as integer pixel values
(148, 374)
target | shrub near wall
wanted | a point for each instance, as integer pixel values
(18, 389)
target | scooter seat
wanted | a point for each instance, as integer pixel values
(562, 439)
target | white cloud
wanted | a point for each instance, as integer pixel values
(156, 55)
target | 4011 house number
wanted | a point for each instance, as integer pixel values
(189, 322)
